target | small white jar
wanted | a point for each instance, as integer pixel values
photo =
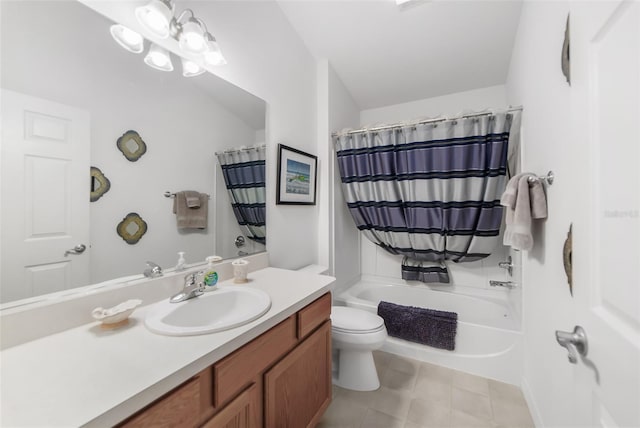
(240, 270)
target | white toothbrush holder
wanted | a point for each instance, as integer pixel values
(240, 270)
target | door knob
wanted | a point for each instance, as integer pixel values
(78, 249)
(575, 342)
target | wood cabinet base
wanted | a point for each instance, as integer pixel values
(277, 376)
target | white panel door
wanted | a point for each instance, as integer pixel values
(605, 71)
(45, 196)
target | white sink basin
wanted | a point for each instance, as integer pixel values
(217, 310)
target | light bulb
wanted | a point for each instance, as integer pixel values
(127, 38)
(212, 54)
(191, 68)
(156, 17)
(158, 58)
(192, 37)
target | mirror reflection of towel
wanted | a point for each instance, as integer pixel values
(193, 198)
(191, 218)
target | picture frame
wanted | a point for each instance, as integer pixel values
(297, 177)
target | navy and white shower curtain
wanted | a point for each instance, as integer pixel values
(244, 176)
(429, 192)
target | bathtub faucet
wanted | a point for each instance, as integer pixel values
(505, 284)
(508, 265)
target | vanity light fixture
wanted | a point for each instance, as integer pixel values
(190, 31)
(157, 17)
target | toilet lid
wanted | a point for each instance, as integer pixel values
(355, 320)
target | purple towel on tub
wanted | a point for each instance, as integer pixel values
(426, 326)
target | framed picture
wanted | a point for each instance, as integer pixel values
(297, 172)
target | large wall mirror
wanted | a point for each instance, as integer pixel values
(69, 92)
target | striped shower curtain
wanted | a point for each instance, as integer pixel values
(429, 192)
(244, 176)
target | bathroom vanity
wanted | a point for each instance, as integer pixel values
(284, 374)
(273, 371)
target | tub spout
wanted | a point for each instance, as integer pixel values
(505, 284)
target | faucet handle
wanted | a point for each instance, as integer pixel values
(508, 265)
(153, 270)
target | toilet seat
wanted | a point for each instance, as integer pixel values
(355, 321)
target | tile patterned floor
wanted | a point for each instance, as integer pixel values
(414, 394)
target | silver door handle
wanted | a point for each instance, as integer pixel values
(78, 249)
(575, 342)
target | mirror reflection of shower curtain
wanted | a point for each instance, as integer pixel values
(244, 176)
(429, 192)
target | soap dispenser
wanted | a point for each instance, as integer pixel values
(182, 263)
(211, 276)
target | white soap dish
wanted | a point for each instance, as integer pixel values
(116, 316)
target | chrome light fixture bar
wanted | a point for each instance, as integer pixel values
(191, 33)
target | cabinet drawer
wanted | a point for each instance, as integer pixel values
(180, 407)
(235, 372)
(313, 315)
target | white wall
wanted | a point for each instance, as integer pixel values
(344, 237)
(535, 81)
(448, 105)
(267, 58)
(378, 262)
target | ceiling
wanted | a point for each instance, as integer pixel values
(385, 54)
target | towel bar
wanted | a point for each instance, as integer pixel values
(168, 194)
(546, 179)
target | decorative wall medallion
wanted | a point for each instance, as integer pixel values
(131, 228)
(131, 145)
(99, 184)
(565, 61)
(566, 258)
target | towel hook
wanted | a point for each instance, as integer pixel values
(546, 179)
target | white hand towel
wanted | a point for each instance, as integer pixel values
(524, 201)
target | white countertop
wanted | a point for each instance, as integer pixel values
(93, 377)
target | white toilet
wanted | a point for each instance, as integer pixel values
(356, 333)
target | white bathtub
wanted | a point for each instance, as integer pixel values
(488, 340)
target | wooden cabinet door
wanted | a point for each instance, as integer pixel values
(298, 388)
(243, 412)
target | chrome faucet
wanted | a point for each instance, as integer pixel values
(505, 284)
(193, 287)
(152, 270)
(508, 265)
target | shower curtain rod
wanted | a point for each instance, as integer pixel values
(438, 119)
(242, 149)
